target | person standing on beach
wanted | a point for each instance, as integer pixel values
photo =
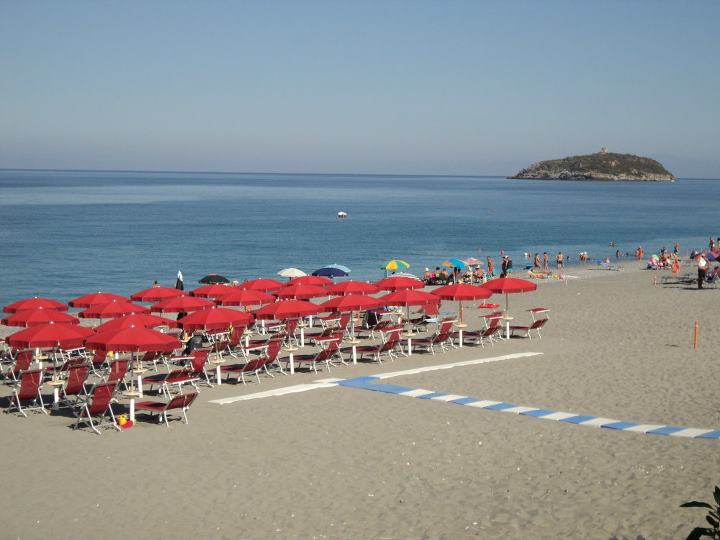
(504, 267)
(559, 260)
(490, 267)
(702, 269)
(546, 260)
(536, 261)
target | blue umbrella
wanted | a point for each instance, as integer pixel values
(339, 267)
(457, 263)
(329, 271)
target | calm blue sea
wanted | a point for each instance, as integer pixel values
(66, 233)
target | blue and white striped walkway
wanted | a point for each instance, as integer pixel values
(370, 383)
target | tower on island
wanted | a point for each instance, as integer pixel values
(603, 151)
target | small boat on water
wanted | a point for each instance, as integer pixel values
(342, 215)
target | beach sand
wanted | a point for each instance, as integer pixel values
(343, 462)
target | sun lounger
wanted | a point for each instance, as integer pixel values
(97, 405)
(26, 394)
(537, 325)
(161, 408)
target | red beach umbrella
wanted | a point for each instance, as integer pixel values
(112, 310)
(155, 294)
(287, 309)
(399, 283)
(460, 292)
(350, 303)
(181, 304)
(317, 281)
(301, 292)
(509, 286)
(215, 319)
(132, 339)
(245, 297)
(35, 303)
(262, 284)
(214, 290)
(93, 299)
(408, 298)
(45, 336)
(35, 317)
(353, 287)
(137, 319)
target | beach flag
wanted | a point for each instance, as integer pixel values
(179, 285)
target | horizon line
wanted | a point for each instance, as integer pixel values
(268, 173)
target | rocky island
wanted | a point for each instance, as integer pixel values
(601, 166)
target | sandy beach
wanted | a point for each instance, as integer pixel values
(342, 462)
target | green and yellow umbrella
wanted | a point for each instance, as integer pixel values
(397, 264)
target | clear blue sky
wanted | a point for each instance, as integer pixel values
(456, 87)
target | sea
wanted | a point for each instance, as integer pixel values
(66, 233)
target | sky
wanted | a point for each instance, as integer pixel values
(403, 87)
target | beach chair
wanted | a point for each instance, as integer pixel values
(95, 409)
(27, 391)
(387, 347)
(537, 311)
(440, 339)
(161, 408)
(98, 362)
(118, 371)
(74, 384)
(537, 325)
(479, 337)
(322, 356)
(190, 375)
(255, 365)
(22, 362)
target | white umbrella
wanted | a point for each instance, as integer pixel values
(291, 273)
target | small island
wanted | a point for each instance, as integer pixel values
(604, 165)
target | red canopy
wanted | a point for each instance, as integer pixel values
(92, 299)
(287, 309)
(353, 287)
(510, 285)
(213, 290)
(461, 292)
(317, 281)
(301, 292)
(138, 319)
(155, 294)
(245, 297)
(56, 336)
(35, 317)
(397, 283)
(111, 310)
(262, 284)
(35, 303)
(215, 319)
(408, 298)
(353, 302)
(182, 304)
(132, 339)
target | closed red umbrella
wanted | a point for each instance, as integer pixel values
(287, 309)
(155, 294)
(213, 290)
(399, 283)
(112, 310)
(509, 286)
(132, 339)
(35, 317)
(353, 287)
(317, 281)
(460, 292)
(137, 319)
(262, 284)
(45, 336)
(408, 298)
(215, 319)
(92, 299)
(245, 297)
(301, 292)
(181, 304)
(35, 303)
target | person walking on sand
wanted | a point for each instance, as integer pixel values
(702, 269)
(546, 260)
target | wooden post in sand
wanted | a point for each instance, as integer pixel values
(696, 335)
